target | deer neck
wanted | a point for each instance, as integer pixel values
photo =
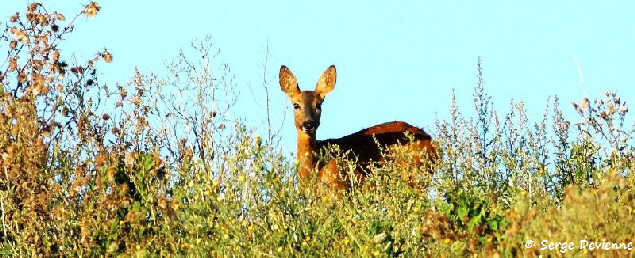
(306, 154)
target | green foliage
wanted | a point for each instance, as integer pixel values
(157, 167)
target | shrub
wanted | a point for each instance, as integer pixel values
(156, 166)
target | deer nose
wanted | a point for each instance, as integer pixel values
(309, 126)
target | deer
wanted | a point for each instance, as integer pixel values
(364, 146)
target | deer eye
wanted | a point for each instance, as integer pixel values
(318, 105)
(296, 106)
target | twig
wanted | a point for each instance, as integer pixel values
(4, 226)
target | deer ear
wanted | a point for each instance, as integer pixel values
(326, 83)
(288, 82)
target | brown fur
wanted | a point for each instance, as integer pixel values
(362, 145)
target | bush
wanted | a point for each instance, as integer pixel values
(156, 166)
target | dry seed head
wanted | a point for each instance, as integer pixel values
(42, 19)
(22, 77)
(13, 64)
(38, 80)
(107, 56)
(91, 9)
(584, 103)
(14, 18)
(20, 35)
(136, 100)
(32, 7)
(45, 40)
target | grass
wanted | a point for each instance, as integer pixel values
(150, 168)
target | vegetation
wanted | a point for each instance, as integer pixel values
(156, 167)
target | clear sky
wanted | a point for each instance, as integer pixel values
(396, 60)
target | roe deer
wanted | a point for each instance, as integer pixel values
(307, 107)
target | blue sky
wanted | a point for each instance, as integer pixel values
(395, 61)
